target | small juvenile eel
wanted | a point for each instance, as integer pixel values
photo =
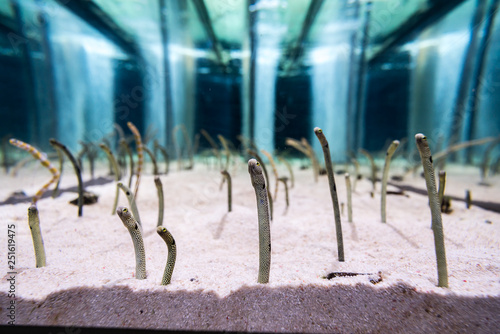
(131, 201)
(159, 190)
(55, 192)
(356, 173)
(165, 156)
(289, 167)
(266, 176)
(36, 235)
(76, 167)
(213, 144)
(298, 146)
(43, 160)
(116, 170)
(259, 185)
(140, 154)
(153, 160)
(284, 179)
(226, 149)
(275, 171)
(390, 152)
(349, 197)
(314, 159)
(229, 190)
(333, 191)
(124, 144)
(373, 167)
(135, 232)
(172, 253)
(442, 184)
(437, 226)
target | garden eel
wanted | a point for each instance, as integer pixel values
(437, 226)
(284, 179)
(289, 167)
(349, 197)
(60, 158)
(442, 184)
(76, 167)
(356, 173)
(112, 159)
(136, 233)
(229, 190)
(259, 184)
(275, 171)
(165, 156)
(213, 144)
(298, 146)
(140, 154)
(153, 159)
(390, 152)
(373, 167)
(36, 234)
(333, 191)
(189, 147)
(43, 160)
(159, 190)
(468, 200)
(172, 253)
(226, 149)
(177, 147)
(124, 144)
(131, 202)
(314, 159)
(270, 198)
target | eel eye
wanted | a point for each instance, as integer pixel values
(424, 138)
(125, 210)
(257, 164)
(320, 130)
(164, 230)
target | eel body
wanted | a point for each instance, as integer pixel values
(172, 253)
(135, 232)
(36, 234)
(259, 184)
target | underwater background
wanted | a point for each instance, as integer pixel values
(366, 72)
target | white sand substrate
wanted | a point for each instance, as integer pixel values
(89, 277)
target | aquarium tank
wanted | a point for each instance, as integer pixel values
(367, 72)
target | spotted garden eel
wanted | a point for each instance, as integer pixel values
(259, 184)
(131, 201)
(172, 253)
(36, 234)
(116, 170)
(43, 160)
(290, 170)
(284, 179)
(383, 195)
(140, 154)
(349, 197)
(153, 160)
(124, 145)
(227, 176)
(76, 168)
(159, 190)
(333, 191)
(135, 232)
(437, 226)
(442, 184)
(266, 176)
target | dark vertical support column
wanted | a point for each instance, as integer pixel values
(462, 98)
(470, 127)
(360, 91)
(252, 19)
(351, 89)
(166, 66)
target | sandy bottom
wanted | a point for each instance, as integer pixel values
(89, 277)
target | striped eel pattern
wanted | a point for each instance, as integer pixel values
(140, 154)
(172, 253)
(259, 184)
(43, 160)
(135, 232)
